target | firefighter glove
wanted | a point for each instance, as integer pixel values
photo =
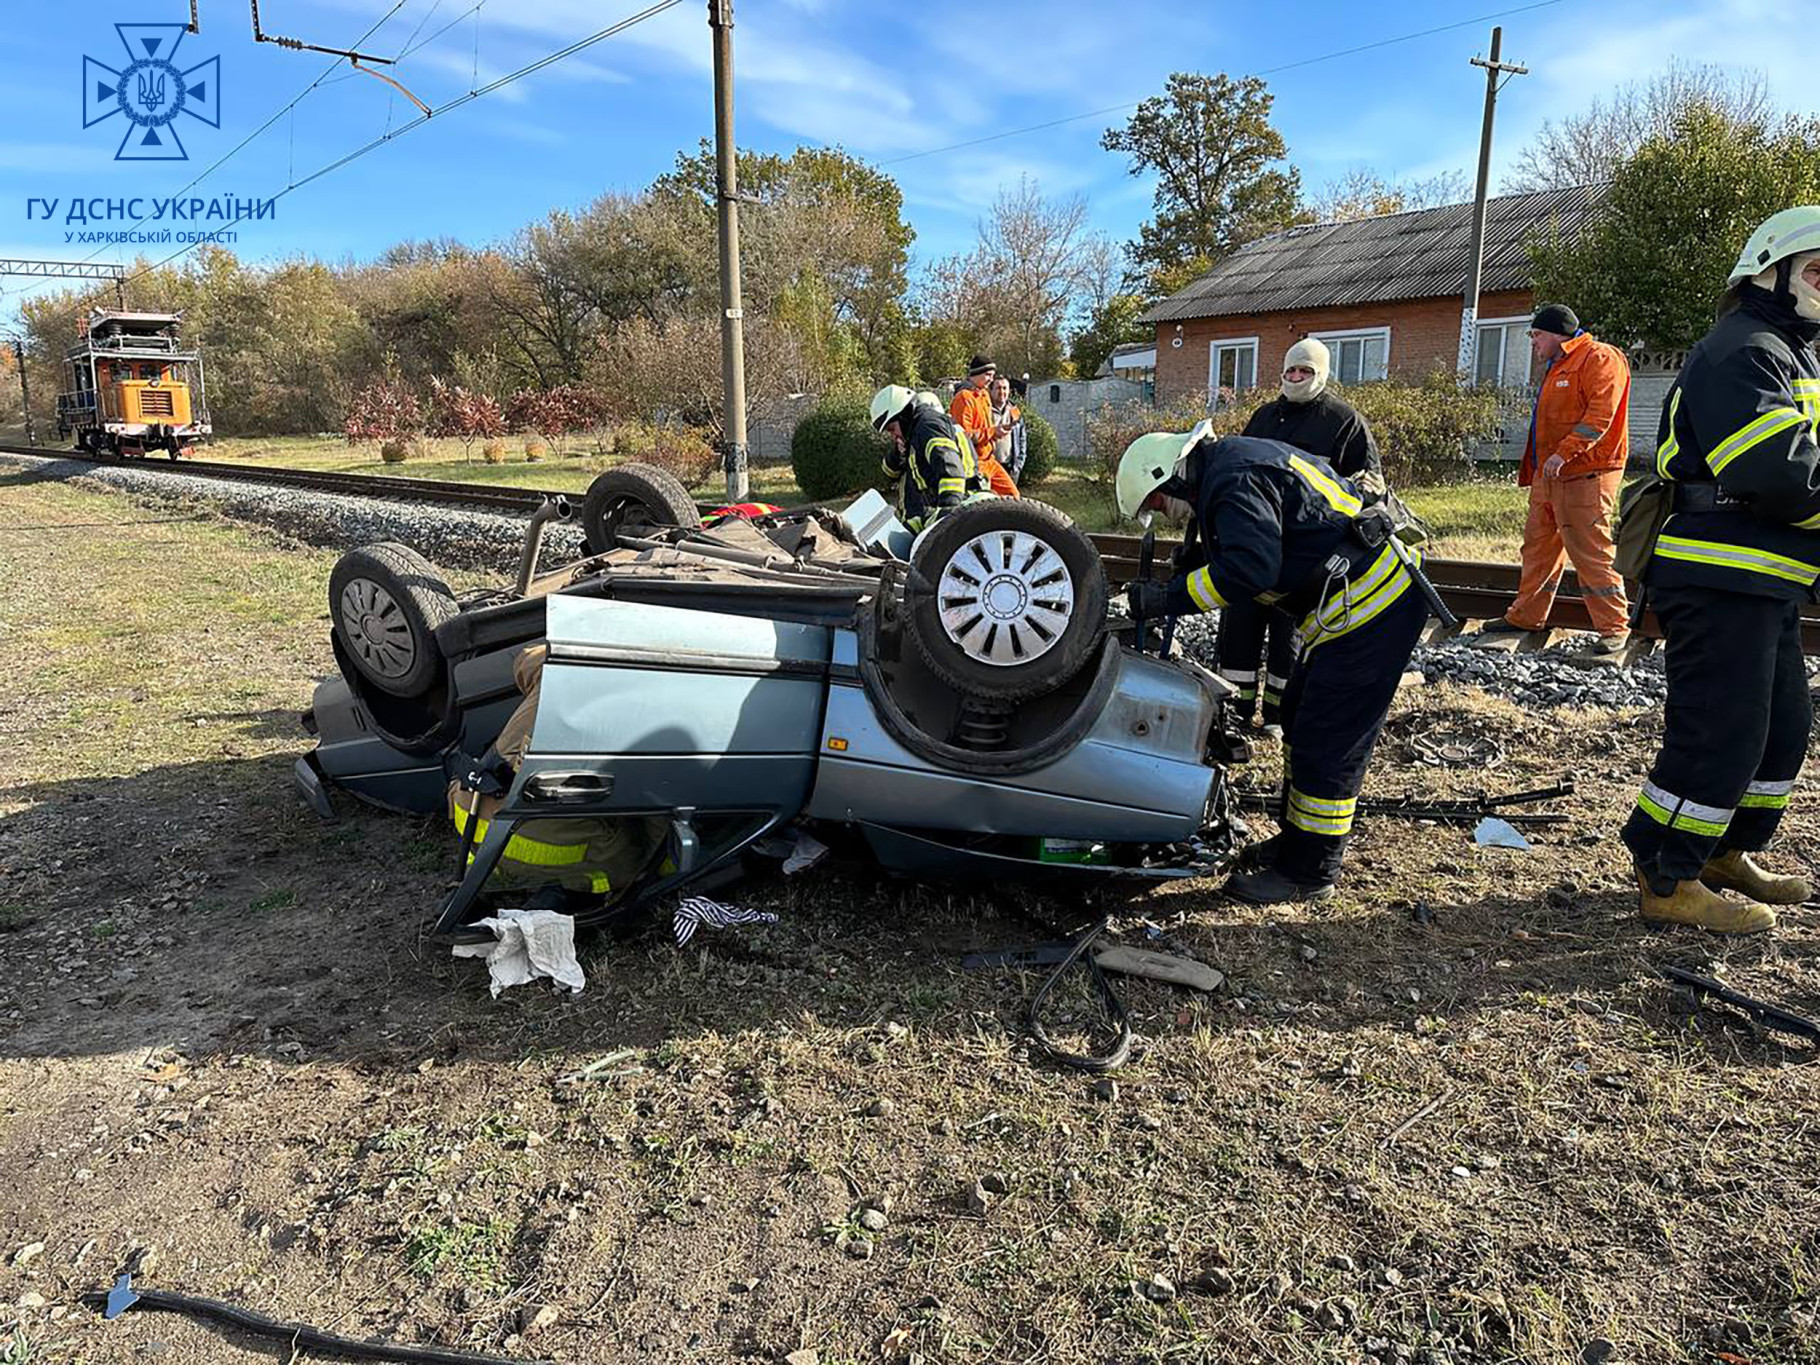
(1147, 599)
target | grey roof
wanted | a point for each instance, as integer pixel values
(1422, 254)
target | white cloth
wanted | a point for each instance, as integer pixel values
(529, 944)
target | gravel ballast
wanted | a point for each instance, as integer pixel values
(467, 539)
(455, 537)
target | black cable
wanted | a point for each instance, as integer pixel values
(302, 1337)
(1120, 1051)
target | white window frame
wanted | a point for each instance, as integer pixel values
(1214, 347)
(1348, 333)
(1478, 338)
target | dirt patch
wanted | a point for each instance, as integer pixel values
(1448, 1117)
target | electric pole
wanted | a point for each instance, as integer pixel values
(1469, 311)
(726, 191)
(25, 390)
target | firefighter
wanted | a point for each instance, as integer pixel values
(934, 464)
(1312, 418)
(1734, 561)
(565, 864)
(1280, 528)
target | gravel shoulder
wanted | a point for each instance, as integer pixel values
(1450, 1116)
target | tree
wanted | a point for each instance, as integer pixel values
(1215, 153)
(1113, 324)
(1588, 148)
(1034, 269)
(1650, 264)
(1363, 193)
(384, 411)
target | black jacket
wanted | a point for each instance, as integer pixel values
(1270, 518)
(937, 465)
(1738, 428)
(1326, 425)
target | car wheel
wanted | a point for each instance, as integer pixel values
(1008, 599)
(631, 497)
(386, 603)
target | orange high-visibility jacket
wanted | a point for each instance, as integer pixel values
(1582, 411)
(972, 411)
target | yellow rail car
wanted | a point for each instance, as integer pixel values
(132, 388)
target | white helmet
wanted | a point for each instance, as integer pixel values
(1151, 461)
(890, 402)
(1792, 232)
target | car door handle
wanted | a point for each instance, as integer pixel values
(559, 789)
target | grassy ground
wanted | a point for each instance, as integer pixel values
(1450, 1116)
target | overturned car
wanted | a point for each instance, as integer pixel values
(959, 704)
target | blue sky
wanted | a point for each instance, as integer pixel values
(886, 82)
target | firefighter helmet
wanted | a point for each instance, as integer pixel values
(888, 403)
(1149, 462)
(1792, 232)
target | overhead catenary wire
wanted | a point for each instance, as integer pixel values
(296, 100)
(1265, 71)
(531, 68)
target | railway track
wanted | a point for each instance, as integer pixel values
(1474, 590)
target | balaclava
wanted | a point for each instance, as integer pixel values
(1803, 295)
(1312, 353)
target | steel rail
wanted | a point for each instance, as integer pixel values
(1473, 589)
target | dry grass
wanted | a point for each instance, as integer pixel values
(259, 1067)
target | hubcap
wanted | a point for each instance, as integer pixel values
(376, 629)
(1005, 598)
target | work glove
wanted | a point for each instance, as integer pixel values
(1371, 483)
(1147, 600)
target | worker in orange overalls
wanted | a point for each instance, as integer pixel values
(972, 413)
(1579, 439)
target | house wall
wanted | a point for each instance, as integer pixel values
(1424, 333)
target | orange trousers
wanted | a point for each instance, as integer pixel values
(995, 473)
(1570, 519)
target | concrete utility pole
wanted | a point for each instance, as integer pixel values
(1469, 312)
(25, 390)
(726, 191)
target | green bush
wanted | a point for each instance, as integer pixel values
(1041, 450)
(1425, 431)
(834, 450)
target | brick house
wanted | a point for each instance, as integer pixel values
(1383, 293)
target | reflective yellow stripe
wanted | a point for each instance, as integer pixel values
(1362, 600)
(1809, 523)
(1671, 447)
(521, 849)
(1201, 589)
(1745, 557)
(1324, 805)
(1320, 815)
(1324, 484)
(951, 486)
(1677, 812)
(1767, 795)
(1760, 430)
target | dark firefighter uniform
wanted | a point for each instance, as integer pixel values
(1327, 426)
(1276, 528)
(936, 465)
(1734, 562)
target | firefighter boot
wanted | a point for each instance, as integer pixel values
(1694, 904)
(1273, 886)
(1733, 870)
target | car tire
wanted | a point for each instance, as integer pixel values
(1007, 600)
(386, 602)
(632, 495)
